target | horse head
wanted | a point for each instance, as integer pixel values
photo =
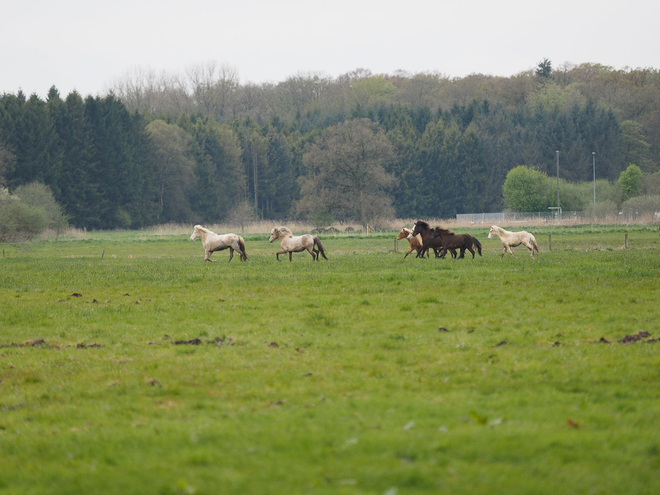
(279, 233)
(405, 233)
(196, 233)
(494, 230)
(419, 227)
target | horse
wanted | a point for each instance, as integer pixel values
(456, 241)
(214, 242)
(295, 244)
(445, 240)
(415, 241)
(513, 239)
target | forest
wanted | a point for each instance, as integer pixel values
(201, 147)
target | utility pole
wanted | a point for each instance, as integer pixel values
(558, 208)
(593, 154)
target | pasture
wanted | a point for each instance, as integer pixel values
(129, 365)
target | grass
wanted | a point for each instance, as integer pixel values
(330, 377)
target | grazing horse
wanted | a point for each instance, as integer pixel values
(295, 244)
(513, 239)
(213, 242)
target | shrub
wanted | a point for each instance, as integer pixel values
(19, 222)
(642, 204)
(39, 196)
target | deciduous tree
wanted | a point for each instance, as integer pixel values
(347, 173)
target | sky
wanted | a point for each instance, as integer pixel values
(89, 45)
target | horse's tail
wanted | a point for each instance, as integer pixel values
(477, 244)
(536, 246)
(241, 243)
(317, 242)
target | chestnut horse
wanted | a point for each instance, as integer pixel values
(415, 241)
(295, 244)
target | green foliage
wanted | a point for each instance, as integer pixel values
(19, 221)
(40, 196)
(526, 189)
(544, 69)
(455, 139)
(630, 181)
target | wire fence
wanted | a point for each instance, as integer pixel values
(518, 217)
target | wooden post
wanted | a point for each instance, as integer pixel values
(626, 241)
(549, 242)
(103, 253)
(396, 245)
(3, 253)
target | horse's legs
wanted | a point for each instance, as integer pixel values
(208, 256)
(472, 251)
(503, 252)
(231, 253)
(311, 251)
(290, 256)
(277, 254)
(462, 255)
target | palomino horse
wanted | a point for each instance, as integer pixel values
(513, 239)
(295, 244)
(214, 242)
(415, 241)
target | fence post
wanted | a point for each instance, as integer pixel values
(396, 245)
(626, 241)
(549, 242)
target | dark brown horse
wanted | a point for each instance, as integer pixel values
(446, 239)
(428, 241)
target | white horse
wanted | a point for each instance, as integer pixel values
(513, 239)
(214, 242)
(295, 244)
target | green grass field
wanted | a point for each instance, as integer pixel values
(366, 373)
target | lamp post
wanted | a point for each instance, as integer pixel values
(558, 209)
(593, 154)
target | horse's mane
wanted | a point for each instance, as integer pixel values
(199, 227)
(443, 231)
(423, 224)
(406, 230)
(284, 230)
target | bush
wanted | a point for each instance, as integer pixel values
(526, 189)
(39, 196)
(642, 204)
(602, 210)
(19, 222)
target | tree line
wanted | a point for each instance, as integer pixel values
(202, 147)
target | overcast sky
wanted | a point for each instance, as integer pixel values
(87, 45)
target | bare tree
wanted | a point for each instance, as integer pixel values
(212, 87)
(242, 214)
(347, 173)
